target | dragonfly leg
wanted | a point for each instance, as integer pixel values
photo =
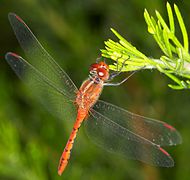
(119, 70)
(119, 83)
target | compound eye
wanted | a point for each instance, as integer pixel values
(94, 67)
(104, 65)
(101, 74)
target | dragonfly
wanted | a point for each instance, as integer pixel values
(110, 127)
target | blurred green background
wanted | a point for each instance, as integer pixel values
(73, 31)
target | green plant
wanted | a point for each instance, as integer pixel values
(175, 60)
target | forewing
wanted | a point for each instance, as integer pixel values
(54, 99)
(155, 131)
(39, 58)
(115, 138)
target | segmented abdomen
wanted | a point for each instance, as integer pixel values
(67, 151)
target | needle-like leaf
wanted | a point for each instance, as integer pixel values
(174, 62)
(183, 29)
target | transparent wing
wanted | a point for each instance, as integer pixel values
(155, 131)
(53, 97)
(40, 59)
(115, 138)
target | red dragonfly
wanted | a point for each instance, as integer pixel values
(111, 127)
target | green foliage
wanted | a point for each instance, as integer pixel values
(25, 163)
(175, 60)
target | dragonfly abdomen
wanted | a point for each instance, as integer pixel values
(67, 151)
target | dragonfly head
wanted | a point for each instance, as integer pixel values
(100, 70)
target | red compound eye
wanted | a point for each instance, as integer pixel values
(94, 66)
(104, 65)
(101, 72)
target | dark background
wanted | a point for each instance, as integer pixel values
(73, 31)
